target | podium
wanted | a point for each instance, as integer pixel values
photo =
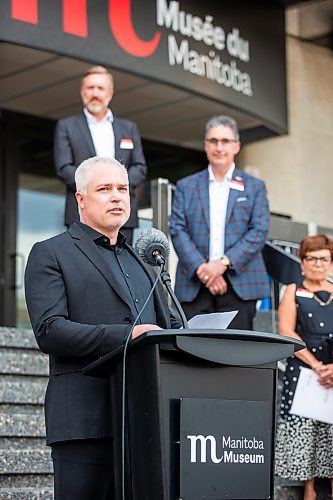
(200, 413)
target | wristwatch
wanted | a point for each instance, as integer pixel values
(225, 261)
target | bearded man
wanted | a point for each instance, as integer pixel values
(96, 132)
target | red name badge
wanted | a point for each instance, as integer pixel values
(126, 144)
(238, 185)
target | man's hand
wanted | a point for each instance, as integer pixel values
(209, 271)
(140, 329)
(218, 287)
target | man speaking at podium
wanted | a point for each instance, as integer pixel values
(84, 290)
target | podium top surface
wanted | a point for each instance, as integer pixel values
(228, 347)
(156, 336)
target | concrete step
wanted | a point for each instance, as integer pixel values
(22, 389)
(26, 493)
(28, 461)
(22, 420)
(22, 443)
(41, 481)
(28, 362)
(21, 339)
(26, 471)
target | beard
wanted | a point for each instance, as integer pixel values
(96, 108)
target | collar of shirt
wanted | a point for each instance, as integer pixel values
(101, 239)
(92, 120)
(228, 175)
(218, 205)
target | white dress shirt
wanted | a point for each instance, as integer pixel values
(102, 133)
(218, 202)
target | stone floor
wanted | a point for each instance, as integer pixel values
(285, 491)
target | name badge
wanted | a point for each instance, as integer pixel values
(239, 186)
(302, 292)
(126, 144)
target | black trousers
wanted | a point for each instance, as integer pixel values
(205, 303)
(83, 469)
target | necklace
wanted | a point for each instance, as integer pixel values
(321, 302)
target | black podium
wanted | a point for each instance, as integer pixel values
(200, 415)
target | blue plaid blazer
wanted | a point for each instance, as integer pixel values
(246, 229)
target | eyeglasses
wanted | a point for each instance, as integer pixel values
(314, 260)
(225, 142)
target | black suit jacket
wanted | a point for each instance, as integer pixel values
(79, 312)
(73, 144)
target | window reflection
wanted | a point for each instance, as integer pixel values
(40, 216)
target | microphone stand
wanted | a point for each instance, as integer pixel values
(123, 397)
(166, 280)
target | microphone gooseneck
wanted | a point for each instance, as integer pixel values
(153, 247)
(123, 397)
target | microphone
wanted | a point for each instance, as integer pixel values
(153, 247)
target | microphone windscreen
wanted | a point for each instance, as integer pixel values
(151, 240)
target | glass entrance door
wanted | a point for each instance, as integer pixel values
(40, 200)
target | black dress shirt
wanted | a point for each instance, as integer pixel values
(128, 272)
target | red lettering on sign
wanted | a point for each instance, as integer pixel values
(25, 10)
(75, 20)
(123, 30)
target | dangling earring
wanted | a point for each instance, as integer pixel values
(302, 273)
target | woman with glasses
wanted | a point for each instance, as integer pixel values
(304, 447)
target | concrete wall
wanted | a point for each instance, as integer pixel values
(298, 168)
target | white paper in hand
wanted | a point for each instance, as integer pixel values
(218, 321)
(311, 399)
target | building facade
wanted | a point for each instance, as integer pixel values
(176, 64)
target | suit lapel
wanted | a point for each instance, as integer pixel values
(88, 247)
(84, 128)
(233, 194)
(117, 137)
(202, 188)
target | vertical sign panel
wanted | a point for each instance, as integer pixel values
(225, 449)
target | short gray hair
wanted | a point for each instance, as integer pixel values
(226, 121)
(84, 170)
(98, 70)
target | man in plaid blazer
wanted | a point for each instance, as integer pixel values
(219, 224)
